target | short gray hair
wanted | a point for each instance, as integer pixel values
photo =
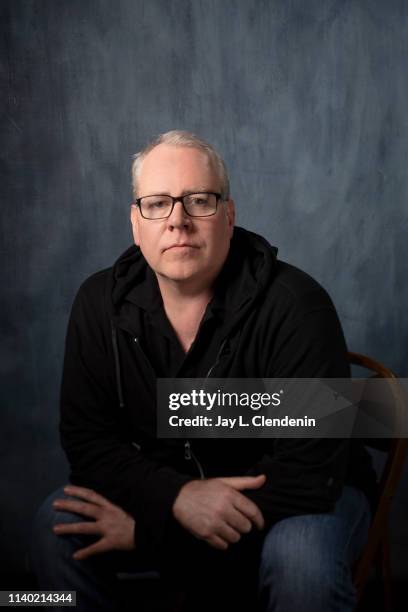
(181, 138)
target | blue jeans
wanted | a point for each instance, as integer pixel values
(303, 563)
(306, 560)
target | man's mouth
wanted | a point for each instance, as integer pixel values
(182, 245)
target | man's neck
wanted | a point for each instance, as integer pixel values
(185, 305)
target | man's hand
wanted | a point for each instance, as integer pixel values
(214, 510)
(113, 524)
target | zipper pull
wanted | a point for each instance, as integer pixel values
(189, 455)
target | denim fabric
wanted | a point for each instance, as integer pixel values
(55, 569)
(304, 564)
(306, 560)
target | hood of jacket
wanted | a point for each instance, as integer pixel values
(248, 271)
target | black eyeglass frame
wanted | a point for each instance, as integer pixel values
(218, 197)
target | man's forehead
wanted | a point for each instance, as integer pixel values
(167, 162)
(174, 154)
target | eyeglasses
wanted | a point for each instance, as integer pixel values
(194, 205)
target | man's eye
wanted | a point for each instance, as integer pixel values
(158, 204)
(199, 201)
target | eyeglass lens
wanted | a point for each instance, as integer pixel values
(195, 204)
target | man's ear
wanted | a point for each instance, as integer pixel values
(230, 211)
(134, 219)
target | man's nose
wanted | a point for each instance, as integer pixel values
(178, 217)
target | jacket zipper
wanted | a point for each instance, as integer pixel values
(189, 455)
(217, 359)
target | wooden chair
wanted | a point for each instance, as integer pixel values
(376, 551)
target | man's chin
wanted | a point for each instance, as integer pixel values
(180, 274)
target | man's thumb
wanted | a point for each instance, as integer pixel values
(244, 482)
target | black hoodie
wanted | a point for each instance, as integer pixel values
(266, 319)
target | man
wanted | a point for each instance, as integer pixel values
(196, 297)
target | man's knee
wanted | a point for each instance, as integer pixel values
(294, 543)
(302, 560)
(46, 548)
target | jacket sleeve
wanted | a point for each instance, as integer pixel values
(99, 457)
(304, 475)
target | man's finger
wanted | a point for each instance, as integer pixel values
(88, 527)
(239, 521)
(77, 507)
(93, 549)
(250, 510)
(244, 482)
(217, 542)
(229, 534)
(87, 494)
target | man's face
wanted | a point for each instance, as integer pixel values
(175, 171)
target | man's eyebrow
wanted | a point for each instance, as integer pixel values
(196, 190)
(184, 192)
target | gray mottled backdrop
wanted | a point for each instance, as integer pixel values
(307, 101)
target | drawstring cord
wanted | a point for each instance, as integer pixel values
(117, 365)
